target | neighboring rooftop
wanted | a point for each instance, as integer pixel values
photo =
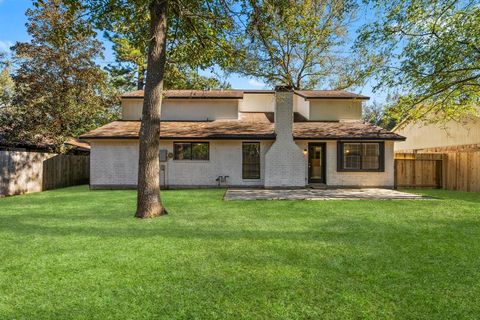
(256, 125)
(79, 144)
(238, 94)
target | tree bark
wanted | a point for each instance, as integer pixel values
(149, 203)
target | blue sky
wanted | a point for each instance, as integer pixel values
(12, 29)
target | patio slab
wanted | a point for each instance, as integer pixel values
(320, 194)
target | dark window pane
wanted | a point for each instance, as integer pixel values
(251, 160)
(371, 156)
(359, 156)
(191, 151)
(200, 151)
(182, 151)
(352, 156)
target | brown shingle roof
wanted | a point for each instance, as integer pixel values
(249, 126)
(341, 130)
(238, 94)
(223, 129)
(192, 94)
(329, 94)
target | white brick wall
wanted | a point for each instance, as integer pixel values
(357, 179)
(115, 164)
(225, 160)
(285, 162)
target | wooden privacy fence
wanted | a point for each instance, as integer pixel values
(456, 170)
(24, 172)
(418, 170)
(65, 170)
(462, 171)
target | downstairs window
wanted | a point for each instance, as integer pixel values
(251, 160)
(361, 156)
(191, 151)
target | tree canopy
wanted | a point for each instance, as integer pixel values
(430, 56)
(6, 81)
(299, 43)
(59, 89)
(197, 40)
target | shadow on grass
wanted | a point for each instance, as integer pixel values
(473, 197)
(337, 229)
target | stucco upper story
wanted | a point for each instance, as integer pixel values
(195, 105)
(247, 114)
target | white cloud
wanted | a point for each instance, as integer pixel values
(256, 83)
(5, 45)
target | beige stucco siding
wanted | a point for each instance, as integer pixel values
(132, 109)
(301, 106)
(357, 179)
(335, 110)
(211, 109)
(115, 163)
(257, 102)
(420, 136)
(185, 109)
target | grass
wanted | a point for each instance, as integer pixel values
(79, 254)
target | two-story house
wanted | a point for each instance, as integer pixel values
(260, 138)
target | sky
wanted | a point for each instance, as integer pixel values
(12, 29)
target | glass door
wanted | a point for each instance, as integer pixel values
(316, 163)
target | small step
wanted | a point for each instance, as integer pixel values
(317, 186)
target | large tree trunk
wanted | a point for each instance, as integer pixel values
(148, 196)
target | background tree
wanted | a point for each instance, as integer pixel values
(6, 81)
(299, 43)
(430, 54)
(379, 114)
(59, 90)
(130, 45)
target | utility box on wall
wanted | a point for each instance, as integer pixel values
(163, 155)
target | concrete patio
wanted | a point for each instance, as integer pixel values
(320, 194)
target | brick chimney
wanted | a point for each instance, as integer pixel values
(284, 112)
(284, 161)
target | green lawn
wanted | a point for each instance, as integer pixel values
(80, 254)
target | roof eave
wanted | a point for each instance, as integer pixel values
(350, 138)
(188, 98)
(248, 137)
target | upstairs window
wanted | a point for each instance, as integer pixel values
(191, 151)
(251, 160)
(361, 156)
